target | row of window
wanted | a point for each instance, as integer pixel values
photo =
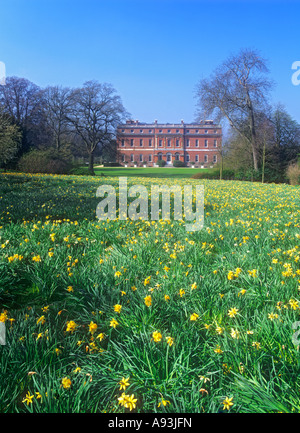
(160, 131)
(169, 158)
(169, 143)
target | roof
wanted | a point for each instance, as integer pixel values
(137, 124)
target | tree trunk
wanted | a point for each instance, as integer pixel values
(263, 162)
(57, 139)
(91, 164)
(254, 153)
(253, 137)
(57, 142)
(221, 166)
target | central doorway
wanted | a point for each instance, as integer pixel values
(169, 158)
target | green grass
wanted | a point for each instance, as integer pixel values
(157, 172)
(58, 264)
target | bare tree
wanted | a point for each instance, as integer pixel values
(10, 139)
(56, 106)
(265, 138)
(95, 112)
(235, 91)
(287, 132)
(22, 101)
(238, 153)
(20, 98)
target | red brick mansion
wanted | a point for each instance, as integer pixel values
(195, 144)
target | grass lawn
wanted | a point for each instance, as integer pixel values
(157, 172)
(143, 316)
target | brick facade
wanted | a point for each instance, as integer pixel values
(195, 144)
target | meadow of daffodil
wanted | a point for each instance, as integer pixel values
(144, 316)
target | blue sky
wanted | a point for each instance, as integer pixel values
(154, 52)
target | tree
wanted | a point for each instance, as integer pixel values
(22, 101)
(56, 107)
(20, 98)
(236, 91)
(286, 137)
(238, 154)
(266, 144)
(10, 140)
(278, 143)
(95, 112)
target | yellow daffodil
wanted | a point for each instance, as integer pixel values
(113, 323)
(148, 300)
(147, 281)
(71, 326)
(233, 312)
(117, 308)
(170, 341)
(28, 398)
(156, 336)
(124, 383)
(227, 403)
(93, 327)
(66, 382)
